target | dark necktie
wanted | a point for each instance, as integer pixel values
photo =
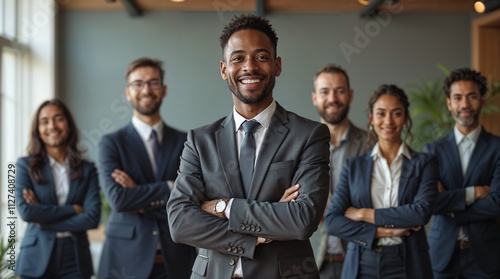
(155, 146)
(247, 153)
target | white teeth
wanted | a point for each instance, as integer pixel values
(248, 81)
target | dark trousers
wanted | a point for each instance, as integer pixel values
(62, 264)
(463, 266)
(331, 270)
(386, 262)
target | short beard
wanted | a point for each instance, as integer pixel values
(467, 123)
(334, 121)
(151, 111)
(257, 100)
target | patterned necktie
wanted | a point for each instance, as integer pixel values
(155, 146)
(247, 153)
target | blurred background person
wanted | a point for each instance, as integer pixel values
(57, 193)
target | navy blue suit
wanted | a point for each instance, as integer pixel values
(47, 218)
(132, 238)
(416, 194)
(478, 219)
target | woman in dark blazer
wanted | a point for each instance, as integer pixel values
(57, 193)
(385, 197)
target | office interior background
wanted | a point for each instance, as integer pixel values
(80, 55)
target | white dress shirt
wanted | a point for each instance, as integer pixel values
(144, 130)
(264, 118)
(465, 145)
(385, 184)
(60, 173)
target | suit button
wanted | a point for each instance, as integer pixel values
(228, 248)
(232, 262)
(247, 227)
(155, 233)
(242, 227)
(252, 227)
(234, 250)
(240, 250)
(258, 228)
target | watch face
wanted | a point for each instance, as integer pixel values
(220, 206)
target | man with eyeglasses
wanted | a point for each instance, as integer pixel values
(464, 239)
(138, 164)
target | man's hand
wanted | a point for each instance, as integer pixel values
(78, 208)
(385, 232)
(290, 194)
(123, 179)
(29, 197)
(481, 192)
(208, 206)
(441, 187)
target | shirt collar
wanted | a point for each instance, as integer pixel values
(264, 117)
(145, 129)
(474, 135)
(55, 164)
(402, 151)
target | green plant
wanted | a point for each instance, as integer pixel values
(428, 110)
(6, 267)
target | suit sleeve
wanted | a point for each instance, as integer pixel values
(360, 233)
(37, 213)
(419, 211)
(91, 214)
(293, 220)
(486, 208)
(145, 196)
(448, 201)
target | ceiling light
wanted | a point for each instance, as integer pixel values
(177, 1)
(484, 6)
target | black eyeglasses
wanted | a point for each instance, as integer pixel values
(138, 85)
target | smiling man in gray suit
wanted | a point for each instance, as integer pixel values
(246, 232)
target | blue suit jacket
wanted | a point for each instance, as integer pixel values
(478, 219)
(36, 246)
(416, 195)
(131, 238)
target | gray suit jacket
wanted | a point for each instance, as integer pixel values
(294, 150)
(356, 145)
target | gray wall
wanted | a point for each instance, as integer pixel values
(95, 48)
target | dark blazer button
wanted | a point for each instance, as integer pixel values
(232, 262)
(258, 228)
(228, 248)
(240, 250)
(234, 250)
(242, 227)
(247, 227)
(252, 227)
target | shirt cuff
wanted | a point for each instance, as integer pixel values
(228, 208)
(469, 195)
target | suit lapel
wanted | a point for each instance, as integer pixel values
(226, 147)
(450, 148)
(51, 189)
(166, 149)
(477, 153)
(406, 172)
(355, 143)
(366, 182)
(270, 145)
(139, 151)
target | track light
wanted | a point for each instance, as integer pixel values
(485, 6)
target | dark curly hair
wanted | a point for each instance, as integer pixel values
(465, 74)
(392, 90)
(248, 21)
